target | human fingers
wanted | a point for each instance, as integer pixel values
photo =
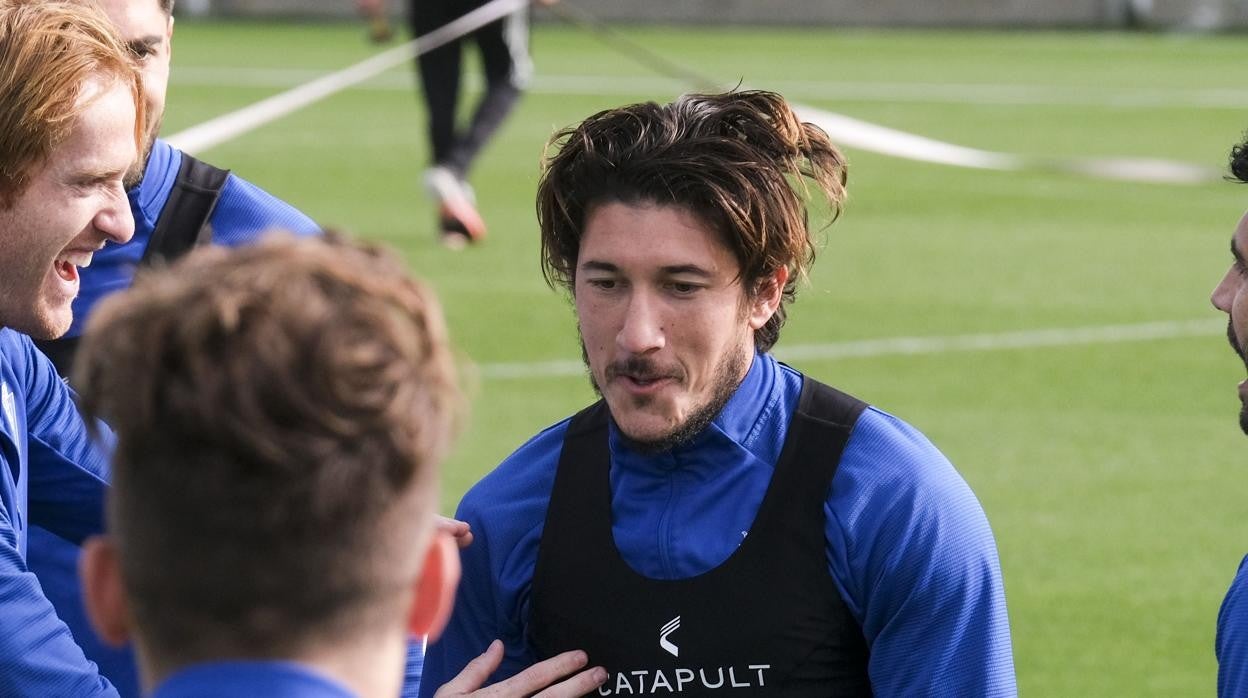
(475, 674)
(578, 685)
(542, 675)
(459, 530)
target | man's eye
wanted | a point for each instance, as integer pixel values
(605, 284)
(682, 289)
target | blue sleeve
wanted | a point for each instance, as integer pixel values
(245, 212)
(1231, 642)
(38, 656)
(68, 470)
(916, 561)
(415, 668)
(507, 511)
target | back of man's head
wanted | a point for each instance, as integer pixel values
(49, 53)
(279, 412)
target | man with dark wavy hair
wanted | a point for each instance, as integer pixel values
(1231, 297)
(719, 521)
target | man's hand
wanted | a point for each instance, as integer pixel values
(528, 682)
(459, 530)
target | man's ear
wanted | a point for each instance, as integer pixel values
(767, 296)
(103, 594)
(435, 589)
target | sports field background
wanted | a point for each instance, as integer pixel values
(1111, 472)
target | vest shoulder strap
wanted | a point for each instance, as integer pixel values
(183, 222)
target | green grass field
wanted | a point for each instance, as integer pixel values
(1110, 471)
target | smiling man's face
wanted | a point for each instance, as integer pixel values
(72, 205)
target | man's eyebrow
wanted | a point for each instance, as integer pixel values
(144, 42)
(686, 270)
(1239, 258)
(598, 266)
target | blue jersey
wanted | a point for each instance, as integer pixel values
(260, 678)
(243, 213)
(55, 477)
(908, 545)
(1231, 643)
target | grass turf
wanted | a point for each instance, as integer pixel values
(1109, 472)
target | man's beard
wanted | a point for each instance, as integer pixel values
(724, 383)
(1239, 351)
(135, 174)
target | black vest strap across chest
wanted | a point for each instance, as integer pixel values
(769, 620)
(182, 225)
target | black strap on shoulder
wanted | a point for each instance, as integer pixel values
(183, 222)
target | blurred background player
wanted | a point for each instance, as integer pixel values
(507, 68)
(376, 13)
(177, 202)
(71, 126)
(272, 528)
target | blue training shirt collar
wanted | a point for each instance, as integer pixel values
(272, 679)
(149, 197)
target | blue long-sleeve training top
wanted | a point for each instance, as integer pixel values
(908, 544)
(53, 476)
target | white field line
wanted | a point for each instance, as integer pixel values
(884, 92)
(913, 346)
(228, 126)
(843, 129)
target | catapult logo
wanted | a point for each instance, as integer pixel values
(672, 626)
(681, 679)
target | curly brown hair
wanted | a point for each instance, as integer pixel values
(280, 411)
(739, 161)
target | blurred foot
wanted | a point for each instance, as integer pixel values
(379, 30)
(459, 221)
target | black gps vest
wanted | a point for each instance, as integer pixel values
(768, 621)
(182, 225)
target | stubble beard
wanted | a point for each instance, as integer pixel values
(1239, 351)
(725, 381)
(135, 175)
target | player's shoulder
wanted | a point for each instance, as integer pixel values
(17, 351)
(889, 469)
(245, 210)
(523, 478)
(1234, 610)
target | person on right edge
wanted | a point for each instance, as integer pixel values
(718, 521)
(1231, 297)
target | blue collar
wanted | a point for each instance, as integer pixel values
(250, 678)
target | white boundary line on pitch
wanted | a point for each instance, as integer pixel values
(913, 346)
(882, 92)
(843, 129)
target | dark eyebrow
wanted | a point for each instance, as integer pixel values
(1239, 258)
(144, 42)
(599, 266)
(686, 269)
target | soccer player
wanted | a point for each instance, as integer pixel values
(177, 202)
(718, 520)
(280, 412)
(504, 46)
(71, 125)
(1231, 297)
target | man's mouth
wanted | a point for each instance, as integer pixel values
(68, 263)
